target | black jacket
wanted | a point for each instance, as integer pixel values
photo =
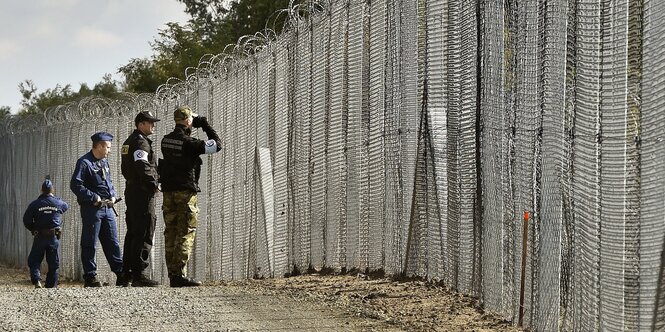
(139, 163)
(181, 167)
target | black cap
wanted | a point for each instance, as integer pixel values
(145, 116)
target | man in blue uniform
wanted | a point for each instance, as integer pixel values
(93, 187)
(139, 169)
(43, 219)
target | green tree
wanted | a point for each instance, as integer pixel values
(177, 48)
(33, 101)
(247, 17)
(211, 28)
(5, 111)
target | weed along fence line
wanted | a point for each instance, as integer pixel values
(413, 138)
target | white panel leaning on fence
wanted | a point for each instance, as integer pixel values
(410, 137)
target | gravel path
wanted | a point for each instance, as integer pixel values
(208, 308)
(302, 303)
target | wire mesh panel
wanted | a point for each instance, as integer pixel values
(469, 223)
(249, 225)
(356, 220)
(319, 129)
(281, 150)
(217, 191)
(229, 134)
(239, 171)
(436, 101)
(424, 209)
(586, 177)
(551, 159)
(633, 32)
(265, 192)
(336, 204)
(569, 257)
(302, 146)
(453, 86)
(392, 216)
(615, 173)
(652, 232)
(376, 154)
(494, 150)
(199, 256)
(408, 115)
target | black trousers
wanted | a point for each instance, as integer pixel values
(140, 219)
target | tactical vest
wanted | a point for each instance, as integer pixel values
(180, 169)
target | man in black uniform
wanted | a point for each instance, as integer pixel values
(179, 174)
(140, 170)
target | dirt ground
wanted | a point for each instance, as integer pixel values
(354, 303)
(409, 305)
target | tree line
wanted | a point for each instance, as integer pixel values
(211, 27)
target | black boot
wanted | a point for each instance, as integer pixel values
(140, 280)
(38, 284)
(179, 281)
(92, 282)
(123, 279)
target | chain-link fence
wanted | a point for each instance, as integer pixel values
(410, 137)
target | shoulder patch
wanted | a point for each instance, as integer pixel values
(125, 149)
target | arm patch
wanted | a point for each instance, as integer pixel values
(140, 155)
(211, 146)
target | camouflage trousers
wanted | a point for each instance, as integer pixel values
(180, 219)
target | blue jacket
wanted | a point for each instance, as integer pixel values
(44, 213)
(91, 180)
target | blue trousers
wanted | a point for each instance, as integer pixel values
(99, 223)
(45, 245)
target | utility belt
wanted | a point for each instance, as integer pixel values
(138, 187)
(47, 232)
(92, 204)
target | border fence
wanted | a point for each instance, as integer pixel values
(409, 137)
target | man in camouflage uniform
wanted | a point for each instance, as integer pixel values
(139, 169)
(179, 175)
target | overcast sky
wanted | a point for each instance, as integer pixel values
(75, 41)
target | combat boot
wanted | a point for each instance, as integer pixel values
(140, 280)
(179, 281)
(38, 284)
(92, 282)
(123, 279)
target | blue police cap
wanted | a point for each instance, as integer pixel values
(47, 185)
(101, 136)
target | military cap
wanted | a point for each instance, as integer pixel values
(145, 116)
(101, 136)
(183, 112)
(47, 185)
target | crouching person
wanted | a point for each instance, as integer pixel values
(44, 219)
